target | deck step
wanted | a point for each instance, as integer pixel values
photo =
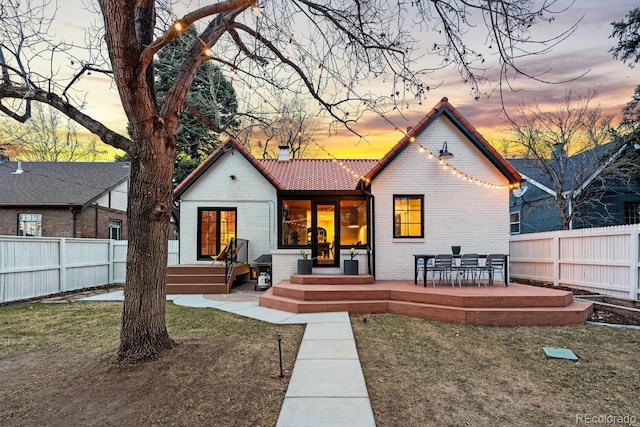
(196, 288)
(331, 279)
(195, 278)
(516, 305)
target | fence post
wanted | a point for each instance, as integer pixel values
(556, 260)
(111, 267)
(634, 265)
(62, 262)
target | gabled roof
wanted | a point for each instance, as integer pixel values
(446, 109)
(347, 174)
(292, 175)
(581, 168)
(55, 184)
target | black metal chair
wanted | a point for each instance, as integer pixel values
(442, 265)
(494, 264)
(469, 265)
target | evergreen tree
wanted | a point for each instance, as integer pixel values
(211, 94)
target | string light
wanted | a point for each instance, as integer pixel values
(257, 12)
(178, 26)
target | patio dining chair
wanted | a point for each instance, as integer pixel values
(494, 264)
(442, 265)
(469, 266)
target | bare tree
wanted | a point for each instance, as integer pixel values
(47, 136)
(293, 126)
(333, 51)
(571, 149)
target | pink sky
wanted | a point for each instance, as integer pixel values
(585, 51)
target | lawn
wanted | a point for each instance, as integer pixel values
(424, 373)
(55, 370)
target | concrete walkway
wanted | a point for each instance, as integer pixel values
(327, 387)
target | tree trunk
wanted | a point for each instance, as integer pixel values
(144, 332)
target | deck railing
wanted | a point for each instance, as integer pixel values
(602, 260)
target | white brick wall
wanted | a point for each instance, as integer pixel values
(456, 212)
(252, 195)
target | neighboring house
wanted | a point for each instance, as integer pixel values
(388, 210)
(64, 199)
(602, 196)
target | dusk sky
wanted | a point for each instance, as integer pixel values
(585, 51)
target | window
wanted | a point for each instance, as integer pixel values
(216, 227)
(115, 229)
(514, 222)
(30, 225)
(353, 222)
(296, 221)
(631, 213)
(408, 212)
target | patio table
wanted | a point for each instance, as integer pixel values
(427, 257)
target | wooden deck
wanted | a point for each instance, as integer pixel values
(202, 278)
(515, 305)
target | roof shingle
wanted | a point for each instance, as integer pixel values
(59, 183)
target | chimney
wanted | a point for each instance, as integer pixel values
(283, 156)
(19, 169)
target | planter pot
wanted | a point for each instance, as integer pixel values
(351, 267)
(305, 266)
(455, 250)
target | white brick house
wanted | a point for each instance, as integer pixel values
(409, 202)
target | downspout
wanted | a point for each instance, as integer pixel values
(96, 224)
(74, 220)
(371, 238)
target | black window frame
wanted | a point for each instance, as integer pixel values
(396, 226)
(199, 255)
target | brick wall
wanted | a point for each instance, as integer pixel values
(249, 192)
(91, 222)
(456, 212)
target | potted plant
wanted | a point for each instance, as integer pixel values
(351, 264)
(295, 237)
(306, 263)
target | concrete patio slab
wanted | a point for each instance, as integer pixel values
(334, 317)
(326, 411)
(327, 349)
(328, 331)
(327, 378)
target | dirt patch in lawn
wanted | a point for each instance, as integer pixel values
(226, 373)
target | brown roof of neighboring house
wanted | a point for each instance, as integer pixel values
(345, 175)
(59, 183)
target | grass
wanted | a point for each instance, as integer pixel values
(55, 371)
(421, 372)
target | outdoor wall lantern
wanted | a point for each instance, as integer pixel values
(444, 153)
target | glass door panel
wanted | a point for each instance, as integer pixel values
(324, 242)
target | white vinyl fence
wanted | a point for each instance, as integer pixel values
(602, 260)
(33, 267)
